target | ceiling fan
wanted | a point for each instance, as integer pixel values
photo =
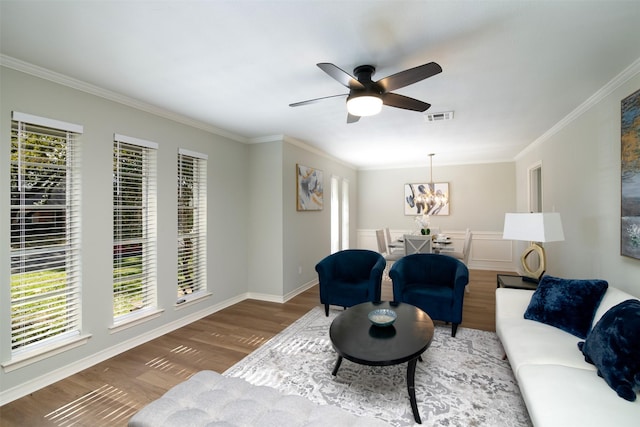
(366, 97)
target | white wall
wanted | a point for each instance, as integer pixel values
(307, 235)
(480, 194)
(284, 245)
(581, 180)
(227, 209)
(265, 240)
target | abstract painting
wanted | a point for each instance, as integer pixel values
(429, 199)
(630, 179)
(309, 182)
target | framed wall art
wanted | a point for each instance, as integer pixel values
(630, 179)
(429, 199)
(309, 184)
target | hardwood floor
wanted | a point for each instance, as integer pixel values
(109, 393)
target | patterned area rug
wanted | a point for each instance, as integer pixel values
(461, 381)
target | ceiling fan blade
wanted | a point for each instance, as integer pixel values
(340, 75)
(312, 101)
(404, 102)
(351, 118)
(410, 76)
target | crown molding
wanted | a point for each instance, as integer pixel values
(594, 99)
(268, 138)
(312, 149)
(52, 76)
(305, 146)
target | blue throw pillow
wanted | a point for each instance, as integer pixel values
(613, 346)
(566, 303)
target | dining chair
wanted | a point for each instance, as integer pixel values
(385, 250)
(390, 256)
(387, 234)
(417, 244)
(382, 245)
(466, 249)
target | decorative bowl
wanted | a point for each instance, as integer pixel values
(382, 317)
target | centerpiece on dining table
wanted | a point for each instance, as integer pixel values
(422, 222)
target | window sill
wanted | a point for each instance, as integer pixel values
(35, 356)
(134, 320)
(191, 300)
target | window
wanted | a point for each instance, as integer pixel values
(535, 188)
(192, 224)
(345, 214)
(45, 234)
(134, 227)
(339, 214)
(335, 215)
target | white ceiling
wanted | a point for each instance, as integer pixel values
(511, 69)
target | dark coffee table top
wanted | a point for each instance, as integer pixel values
(355, 338)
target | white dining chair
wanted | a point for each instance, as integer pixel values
(391, 248)
(384, 249)
(417, 244)
(389, 256)
(466, 251)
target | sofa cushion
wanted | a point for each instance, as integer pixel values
(613, 346)
(527, 342)
(208, 399)
(561, 396)
(613, 296)
(567, 304)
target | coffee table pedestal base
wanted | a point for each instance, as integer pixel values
(411, 387)
(411, 384)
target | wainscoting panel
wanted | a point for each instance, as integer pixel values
(488, 250)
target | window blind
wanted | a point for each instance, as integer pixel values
(345, 214)
(192, 223)
(335, 215)
(134, 226)
(45, 232)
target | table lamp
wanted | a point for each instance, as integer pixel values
(534, 228)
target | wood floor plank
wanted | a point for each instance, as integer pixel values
(110, 392)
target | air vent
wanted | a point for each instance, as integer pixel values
(439, 117)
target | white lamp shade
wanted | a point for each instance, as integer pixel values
(364, 105)
(533, 227)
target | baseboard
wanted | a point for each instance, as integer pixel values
(281, 298)
(301, 289)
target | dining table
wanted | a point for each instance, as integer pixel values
(441, 245)
(437, 244)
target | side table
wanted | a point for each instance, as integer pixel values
(513, 281)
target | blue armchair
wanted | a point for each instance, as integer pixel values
(350, 277)
(432, 282)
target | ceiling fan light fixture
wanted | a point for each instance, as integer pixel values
(364, 105)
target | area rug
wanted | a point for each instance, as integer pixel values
(461, 381)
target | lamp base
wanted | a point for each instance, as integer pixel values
(531, 275)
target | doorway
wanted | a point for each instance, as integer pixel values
(535, 187)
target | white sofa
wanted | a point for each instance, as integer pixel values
(558, 386)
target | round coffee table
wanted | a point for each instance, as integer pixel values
(356, 339)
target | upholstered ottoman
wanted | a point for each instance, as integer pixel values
(210, 399)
